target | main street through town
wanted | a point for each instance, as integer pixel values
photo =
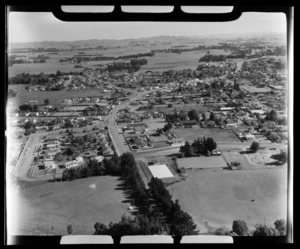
(118, 139)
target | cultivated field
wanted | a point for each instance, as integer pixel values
(185, 60)
(202, 162)
(217, 198)
(219, 135)
(50, 207)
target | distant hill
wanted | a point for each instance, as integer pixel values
(149, 40)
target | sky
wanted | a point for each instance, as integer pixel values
(42, 26)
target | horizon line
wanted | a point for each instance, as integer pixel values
(145, 37)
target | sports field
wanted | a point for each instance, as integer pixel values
(217, 198)
(50, 207)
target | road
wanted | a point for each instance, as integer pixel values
(121, 147)
(223, 146)
(23, 168)
(118, 139)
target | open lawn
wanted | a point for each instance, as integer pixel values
(219, 135)
(217, 198)
(50, 207)
(202, 162)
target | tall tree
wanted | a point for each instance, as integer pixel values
(193, 115)
(240, 227)
(272, 115)
(262, 230)
(46, 101)
(254, 146)
(186, 149)
(280, 226)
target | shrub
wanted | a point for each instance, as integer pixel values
(254, 146)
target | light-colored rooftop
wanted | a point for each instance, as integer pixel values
(160, 171)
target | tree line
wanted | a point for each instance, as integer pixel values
(162, 215)
(240, 228)
(210, 57)
(200, 146)
(81, 58)
(132, 66)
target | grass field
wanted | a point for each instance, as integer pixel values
(55, 97)
(202, 162)
(219, 135)
(63, 203)
(36, 68)
(185, 60)
(216, 199)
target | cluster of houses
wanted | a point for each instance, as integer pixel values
(96, 149)
(126, 116)
(139, 137)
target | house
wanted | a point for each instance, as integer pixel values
(108, 152)
(32, 102)
(51, 146)
(188, 123)
(226, 108)
(89, 154)
(139, 130)
(230, 123)
(249, 136)
(156, 115)
(177, 141)
(71, 164)
(48, 164)
(216, 153)
(79, 159)
(259, 111)
(98, 158)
